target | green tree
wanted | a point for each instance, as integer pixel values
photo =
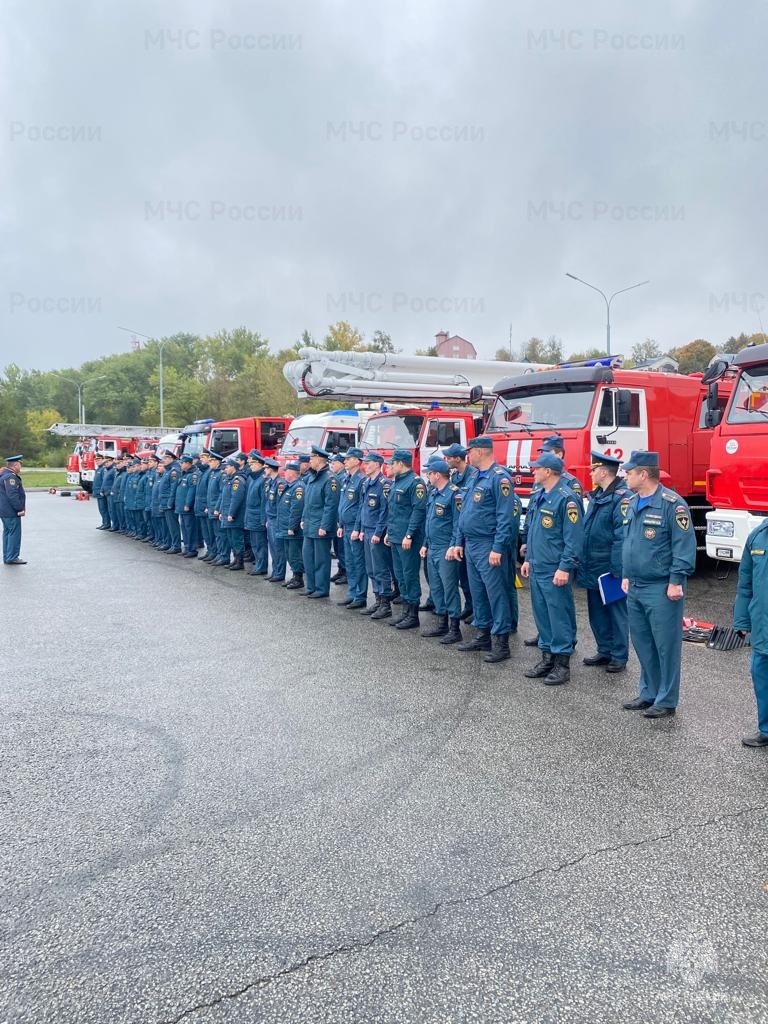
(695, 356)
(645, 350)
(503, 355)
(591, 353)
(343, 337)
(14, 432)
(431, 351)
(553, 350)
(382, 342)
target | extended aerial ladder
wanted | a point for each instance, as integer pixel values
(390, 376)
(108, 430)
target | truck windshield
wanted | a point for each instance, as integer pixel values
(392, 432)
(301, 439)
(750, 399)
(565, 405)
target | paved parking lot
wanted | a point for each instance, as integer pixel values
(223, 803)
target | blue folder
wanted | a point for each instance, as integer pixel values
(610, 588)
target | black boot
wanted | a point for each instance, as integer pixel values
(543, 668)
(428, 606)
(297, 583)
(480, 642)
(453, 636)
(403, 613)
(533, 642)
(237, 564)
(372, 607)
(439, 629)
(384, 611)
(411, 620)
(467, 614)
(560, 672)
(499, 649)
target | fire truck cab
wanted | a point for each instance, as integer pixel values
(334, 431)
(737, 479)
(266, 433)
(424, 432)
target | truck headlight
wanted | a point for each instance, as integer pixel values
(719, 528)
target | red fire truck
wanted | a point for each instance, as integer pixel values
(266, 433)
(421, 431)
(98, 437)
(614, 411)
(737, 478)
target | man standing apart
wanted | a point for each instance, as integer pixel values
(659, 552)
(487, 537)
(603, 541)
(555, 540)
(13, 508)
(750, 614)
(406, 512)
(321, 502)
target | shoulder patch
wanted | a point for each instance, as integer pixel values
(235, 484)
(421, 491)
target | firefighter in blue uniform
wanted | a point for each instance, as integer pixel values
(443, 509)
(273, 493)
(172, 477)
(462, 475)
(201, 500)
(350, 497)
(294, 543)
(603, 541)
(321, 502)
(185, 504)
(222, 511)
(255, 519)
(149, 490)
(13, 508)
(158, 512)
(121, 482)
(98, 477)
(750, 615)
(659, 553)
(337, 467)
(235, 517)
(371, 528)
(214, 556)
(141, 504)
(283, 517)
(406, 514)
(105, 489)
(555, 542)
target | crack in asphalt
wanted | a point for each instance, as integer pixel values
(445, 905)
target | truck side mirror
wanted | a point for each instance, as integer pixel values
(476, 394)
(714, 413)
(712, 418)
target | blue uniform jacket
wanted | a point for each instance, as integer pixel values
(659, 540)
(238, 490)
(275, 487)
(141, 490)
(443, 509)
(349, 500)
(296, 491)
(372, 510)
(488, 509)
(121, 481)
(201, 491)
(214, 491)
(150, 479)
(98, 476)
(225, 496)
(157, 497)
(107, 481)
(321, 503)
(254, 501)
(13, 498)
(173, 475)
(603, 534)
(406, 508)
(284, 502)
(750, 611)
(555, 531)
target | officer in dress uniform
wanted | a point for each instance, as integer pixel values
(185, 504)
(321, 503)
(98, 476)
(105, 487)
(294, 543)
(273, 492)
(222, 510)
(350, 496)
(255, 513)
(149, 490)
(750, 615)
(603, 541)
(118, 491)
(443, 509)
(659, 552)
(201, 499)
(172, 477)
(486, 536)
(13, 508)
(338, 469)
(158, 513)
(283, 517)
(214, 556)
(406, 513)
(555, 542)
(235, 517)
(371, 526)
(462, 475)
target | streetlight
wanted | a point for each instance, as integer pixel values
(80, 406)
(91, 380)
(608, 302)
(160, 345)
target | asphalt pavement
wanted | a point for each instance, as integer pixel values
(223, 803)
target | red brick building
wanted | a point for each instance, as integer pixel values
(454, 347)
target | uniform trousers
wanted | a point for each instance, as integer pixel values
(609, 625)
(490, 587)
(174, 530)
(354, 560)
(407, 569)
(278, 557)
(189, 526)
(378, 566)
(260, 549)
(656, 629)
(554, 612)
(103, 504)
(294, 554)
(317, 564)
(444, 583)
(759, 670)
(11, 538)
(236, 538)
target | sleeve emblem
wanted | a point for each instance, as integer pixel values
(506, 487)
(421, 492)
(683, 520)
(572, 512)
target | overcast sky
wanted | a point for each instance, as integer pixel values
(408, 166)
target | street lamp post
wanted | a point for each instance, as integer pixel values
(160, 345)
(608, 302)
(79, 386)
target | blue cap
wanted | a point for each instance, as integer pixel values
(216, 455)
(254, 453)
(438, 466)
(373, 457)
(231, 461)
(166, 455)
(240, 456)
(304, 457)
(338, 457)
(551, 442)
(15, 458)
(321, 452)
(605, 460)
(402, 455)
(272, 463)
(353, 453)
(481, 442)
(187, 458)
(642, 460)
(549, 461)
(455, 450)
(292, 465)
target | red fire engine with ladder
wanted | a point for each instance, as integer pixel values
(105, 438)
